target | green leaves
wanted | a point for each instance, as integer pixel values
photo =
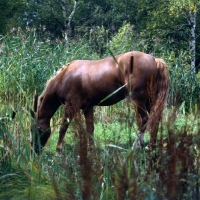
(122, 41)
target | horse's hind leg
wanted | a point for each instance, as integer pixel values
(141, 119)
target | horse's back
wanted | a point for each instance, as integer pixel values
(91, 81)
(140, 60)
(96, 79)
(144, 64)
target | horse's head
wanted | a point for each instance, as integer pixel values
(35, 132)
(35, 129)
(39, 135)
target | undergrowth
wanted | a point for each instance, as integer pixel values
(112, 170)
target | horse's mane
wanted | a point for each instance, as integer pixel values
(50, 82)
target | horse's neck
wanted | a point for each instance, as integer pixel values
(46, 111)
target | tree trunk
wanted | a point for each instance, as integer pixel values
(67, 22)
(192, 23)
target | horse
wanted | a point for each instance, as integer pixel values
(83, 84)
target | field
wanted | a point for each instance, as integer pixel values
(111, 170)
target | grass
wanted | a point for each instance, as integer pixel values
(111, 170)
(115, 171)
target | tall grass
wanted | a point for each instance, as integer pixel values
(184, 86)
(27, 62)
(111, 170)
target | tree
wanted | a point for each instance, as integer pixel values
(52, 16)
(188, 10)
(11, 14)
(192, 18)
(170, 23)
(67, 22)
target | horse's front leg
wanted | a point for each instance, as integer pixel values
(69, 114)
(62, 132)
(89, 120)
(85, 159)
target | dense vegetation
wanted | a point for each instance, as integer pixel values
(35, 42)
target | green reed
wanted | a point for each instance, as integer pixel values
(27, 62)
(115, 172)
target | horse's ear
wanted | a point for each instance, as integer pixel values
(14, 113)
(35, 102)
(131, 64)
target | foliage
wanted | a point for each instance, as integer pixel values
(184, 87)
(11, 14)
(113, 170)
(123, 41)
(157, 25)
(116, 171)
(32, 53)
(98, 38)
(27, 62)
(22, 71)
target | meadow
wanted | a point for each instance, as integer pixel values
(112, 170)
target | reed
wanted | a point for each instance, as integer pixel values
(111, 170)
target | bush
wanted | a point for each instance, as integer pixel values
(184, 86)
(123, 41)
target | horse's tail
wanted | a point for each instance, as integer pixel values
(159, 97)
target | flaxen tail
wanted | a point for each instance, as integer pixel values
(161, 90)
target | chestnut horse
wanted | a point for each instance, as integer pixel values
(83, 84)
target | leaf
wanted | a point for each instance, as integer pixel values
(115, 60)
(107, 97)
(115, 146)
(164, 144)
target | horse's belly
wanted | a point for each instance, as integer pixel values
(112, 99)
